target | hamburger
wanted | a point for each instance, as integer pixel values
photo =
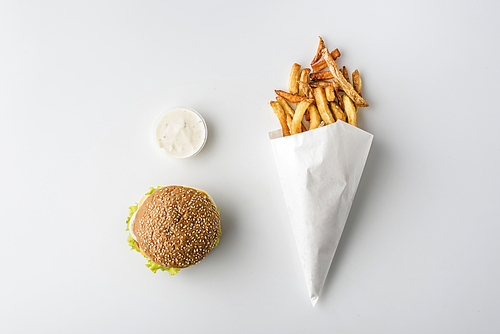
(173, 227)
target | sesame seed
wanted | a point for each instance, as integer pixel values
(177, 226)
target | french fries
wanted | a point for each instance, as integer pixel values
(337, 112)
(322, 83)
(306, 88)
(285, 106)
(345, 73)
(356, 81)
(292, 98)
(288, 110)
(350, 110)
(317, 98)
(304, 75)
(322, 104)
(280, 113)
(330, 93)
(293, 81)
(337, 95)
(315, 118)
(316, 76)
(321, 46)
(299, 114)
(322, 64)
(339, 77)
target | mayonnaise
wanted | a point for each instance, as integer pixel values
(181, 132)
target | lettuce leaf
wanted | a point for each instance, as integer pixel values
(131, 210)
(218, 238)
(152, 190)
(154, 267)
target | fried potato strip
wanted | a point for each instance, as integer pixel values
(293, 85)
(339, 77)
(299, 114)
(322, 104)
(337, 112)
(330, 93)
(280, 113)
(317, 56)
(315, 118)
(356, 81)
(288, 110)
(322, 64)
(345, 73)
(321, 76)
(304, 77)
(306, 88)
(292, 98)
(350, 110)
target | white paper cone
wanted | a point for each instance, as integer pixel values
(319, 172)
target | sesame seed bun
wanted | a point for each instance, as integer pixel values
(177, 226)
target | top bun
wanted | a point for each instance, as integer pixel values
(176, 226)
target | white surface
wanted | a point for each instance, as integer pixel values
(81, 84)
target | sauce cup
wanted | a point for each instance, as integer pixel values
(181, 132)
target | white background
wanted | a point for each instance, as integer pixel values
(81, 84)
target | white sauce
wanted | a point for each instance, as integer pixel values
(181, 133)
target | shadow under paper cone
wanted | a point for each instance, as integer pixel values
(319, 172)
